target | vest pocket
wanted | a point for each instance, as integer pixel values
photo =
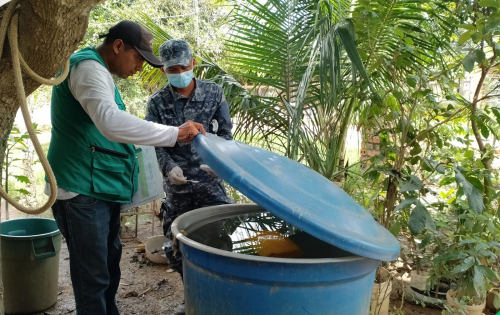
(107, 176)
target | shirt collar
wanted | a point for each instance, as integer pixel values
(196, 96)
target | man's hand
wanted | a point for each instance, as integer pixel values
(189, 130)
(176, 176)
(207, 169)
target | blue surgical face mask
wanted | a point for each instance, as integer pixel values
(180, 80)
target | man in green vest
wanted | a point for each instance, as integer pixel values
(95, 163)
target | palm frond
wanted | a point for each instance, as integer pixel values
(300, 65)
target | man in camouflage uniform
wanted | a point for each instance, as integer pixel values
(189, 184)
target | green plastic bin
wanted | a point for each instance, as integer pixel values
(30, 264)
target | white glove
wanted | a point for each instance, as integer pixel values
(207, 169)
(176, 176)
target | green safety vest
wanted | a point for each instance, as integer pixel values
(82, 159)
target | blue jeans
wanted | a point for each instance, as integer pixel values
(91, 228)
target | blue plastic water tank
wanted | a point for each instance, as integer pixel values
(219, 281)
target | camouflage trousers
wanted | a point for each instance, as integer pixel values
(177, 204)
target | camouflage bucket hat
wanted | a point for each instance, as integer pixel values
(175, 52)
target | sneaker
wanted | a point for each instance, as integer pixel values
(180, 310)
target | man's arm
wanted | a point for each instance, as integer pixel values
(92, 85)
(223, 118)
(165, 162)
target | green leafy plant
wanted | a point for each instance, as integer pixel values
(469, 256)
(303, 72)
(479, 38)
(17, 141)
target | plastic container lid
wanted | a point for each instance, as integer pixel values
(298, 195)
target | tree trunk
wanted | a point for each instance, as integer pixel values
(487, 159)
(390, 201)
(49, 32)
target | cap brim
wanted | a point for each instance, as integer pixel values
(150, 58)
(178, 62)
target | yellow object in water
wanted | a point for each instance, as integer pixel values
(275, 244)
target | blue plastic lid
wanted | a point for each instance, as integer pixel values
(298, 195)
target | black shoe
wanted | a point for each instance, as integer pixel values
(180, 310)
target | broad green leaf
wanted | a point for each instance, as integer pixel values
(485, 132)
(487, 272)
(469, 27)
(23, 191)
(419, 219)
(476, 37)
(22, 179)
(493, 244)
(416, 150)
(392, 102)
(496, 112)
(496, 300)
(476, 182)
(479, 163)
(373, 175)
(414, 160)
(446, 181)
(481, 217)
(441, 169)
(466, 241)
(469, 224)
(488, 3)
(487, 253)
(411, 81)
(468, 154)
(478, 228)
(491, 227)
(465, 36)
(479, 283)
(374, 195)
(406, 203)
(414, 184)
(439, 142)
(421, 136)
(450, 256)
(399, 32)
(465, 265)
(473, 193)
(426, 165)
(408, 41)
(410, 186)
(398, 94)
(425, 240)
(363, 55)
(395, 229)
(480, 248)
(480, 56)
(468, 63)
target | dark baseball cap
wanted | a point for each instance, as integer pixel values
(175, 52)
(135, 35)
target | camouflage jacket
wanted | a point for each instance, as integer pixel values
(206, 104)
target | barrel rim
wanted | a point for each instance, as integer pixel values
(191, 221)
(28, 237)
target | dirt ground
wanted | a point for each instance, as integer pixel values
(147, 288)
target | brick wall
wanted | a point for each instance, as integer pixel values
(370, 145)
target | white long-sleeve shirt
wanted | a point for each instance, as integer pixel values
(92, 86)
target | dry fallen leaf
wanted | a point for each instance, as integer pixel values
(131, 294)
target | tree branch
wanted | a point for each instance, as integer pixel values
(439, 124)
